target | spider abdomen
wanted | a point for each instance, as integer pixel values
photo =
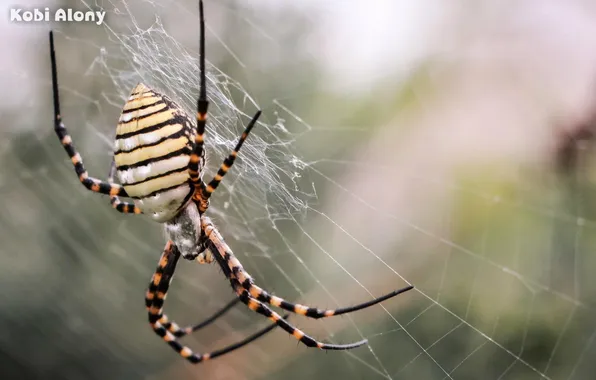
(152, 149)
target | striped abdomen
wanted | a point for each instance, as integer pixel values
(153, 145)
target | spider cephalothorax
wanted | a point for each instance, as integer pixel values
(184, 230)
(158, 160)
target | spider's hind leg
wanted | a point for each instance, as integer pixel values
(226, 258)
(158, 288)
(260, 308)
(169, 330)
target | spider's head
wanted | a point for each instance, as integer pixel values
(185, 230)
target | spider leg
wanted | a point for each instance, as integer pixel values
(158, 288)
(123, 207)
(222, 251)
(203, 192)
(260, 308)
(197, 154)
(170, 331)
(190, 329)
(93, 184)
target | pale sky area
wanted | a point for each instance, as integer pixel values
(360, 43)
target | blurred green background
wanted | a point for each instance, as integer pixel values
(403, 142)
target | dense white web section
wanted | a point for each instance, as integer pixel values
(153, 56)
(500, 252)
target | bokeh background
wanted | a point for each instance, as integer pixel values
(447, 145)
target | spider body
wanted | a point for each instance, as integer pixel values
(154, 140)
(158, 160)
(184, 231)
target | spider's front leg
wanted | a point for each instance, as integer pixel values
(90, 183)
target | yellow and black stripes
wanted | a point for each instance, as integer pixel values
(258, 293)
(154, 140)
(203, 193)
(124, 207)
(93, 184)
(159, 157)
(308, 311)
(260, 308)
(198, 152)
(253, 296)
(153, 144)
(117, 204)
(169, 330)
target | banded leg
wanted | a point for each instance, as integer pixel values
(158, 288)
(260, 308)
(123, 207)
(203, 192)
(222, 250)
(203, 196)
(90, 183)
(197, 153)
(169, 331)
(180, 332)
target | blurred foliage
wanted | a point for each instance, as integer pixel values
(74, 272)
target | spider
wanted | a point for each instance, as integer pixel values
(159, 158)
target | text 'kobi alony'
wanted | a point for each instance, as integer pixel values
(58, 15)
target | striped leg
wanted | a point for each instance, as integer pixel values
(90, 183)
(180, 332)
(260, 308)
(203, 196)
(202, 105)
(203, 192)
(170, 331)
(158, 288)
(123, 207)
(223, 251)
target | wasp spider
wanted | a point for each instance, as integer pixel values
(159, 159)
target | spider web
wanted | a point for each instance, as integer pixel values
(446, 155)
